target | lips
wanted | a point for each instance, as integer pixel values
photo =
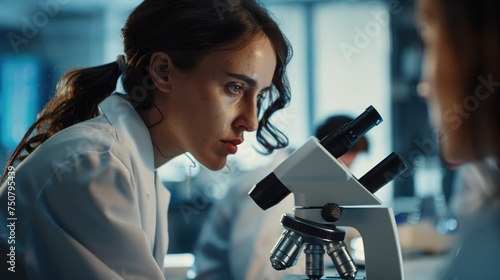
(231, 146)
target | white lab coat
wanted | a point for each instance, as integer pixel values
(87, 204)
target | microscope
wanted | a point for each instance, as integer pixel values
(326, 196)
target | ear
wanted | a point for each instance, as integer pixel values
(160, 66)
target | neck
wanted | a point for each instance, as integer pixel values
(164, 148)
(160, 158)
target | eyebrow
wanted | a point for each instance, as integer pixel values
(247, 80)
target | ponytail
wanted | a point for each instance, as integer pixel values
(77, 95)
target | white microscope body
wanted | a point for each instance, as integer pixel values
(328, 195)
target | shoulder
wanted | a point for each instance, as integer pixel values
(478, 234)
(94, 134)
(82, 147)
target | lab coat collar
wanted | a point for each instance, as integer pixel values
(130, 128)
(133, 133)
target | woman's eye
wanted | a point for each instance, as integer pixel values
(235, 88)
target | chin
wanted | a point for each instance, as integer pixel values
(452, 159)
(215, 164)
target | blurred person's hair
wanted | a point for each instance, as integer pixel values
(471, 37)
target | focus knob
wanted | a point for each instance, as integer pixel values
(331, 212)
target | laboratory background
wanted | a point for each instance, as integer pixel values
(347, 55)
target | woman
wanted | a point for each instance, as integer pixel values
(197, 75)
(462, 76)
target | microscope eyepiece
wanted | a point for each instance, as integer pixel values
(342, 139)
(269, 192)
(384, 172)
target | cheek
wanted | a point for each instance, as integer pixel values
(429, 87)
(446, 85)
(445, 102)
(439, 71)
(210, 114)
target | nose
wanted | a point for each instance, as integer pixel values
(247, 118)
(424, 90)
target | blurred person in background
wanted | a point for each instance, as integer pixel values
(461, 79)
(88, 202)
(236, 240)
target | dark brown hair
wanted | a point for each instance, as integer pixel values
(472, 31)
(185, 29)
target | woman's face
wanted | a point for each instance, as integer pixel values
(208, 109)
(440, 86)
